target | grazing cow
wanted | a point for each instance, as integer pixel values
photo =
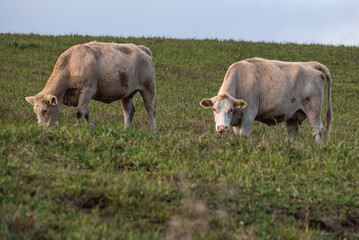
(105, 72)
(272, 92)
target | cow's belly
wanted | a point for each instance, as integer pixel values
(271, 120)
(113, 89)
(111, 95)
(284, 112)
(106, 98)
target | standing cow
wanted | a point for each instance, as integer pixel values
(272, 92)
(105, 72)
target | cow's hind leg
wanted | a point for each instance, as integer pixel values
(313, 111)
(82, 109)
(316, 125)
(128, 111)
(150, 105)
(292, 129)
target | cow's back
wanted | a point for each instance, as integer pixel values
(122, 69)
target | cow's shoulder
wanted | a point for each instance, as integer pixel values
(261, 65)
(241, 66)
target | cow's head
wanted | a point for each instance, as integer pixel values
(46, 108)
(224, 107)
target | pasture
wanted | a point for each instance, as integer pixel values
(186, 182)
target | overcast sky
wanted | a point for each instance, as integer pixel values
(301, 21)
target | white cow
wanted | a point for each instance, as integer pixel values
(272, 92)
(105, 72)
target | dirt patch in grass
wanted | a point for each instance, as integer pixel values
(316, 218)
(86, 205)
(134, 166)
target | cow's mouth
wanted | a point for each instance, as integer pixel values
(222, 129)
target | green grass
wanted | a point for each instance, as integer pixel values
(185, 182)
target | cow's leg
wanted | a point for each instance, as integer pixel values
(128, 111)
(316, 125)
(236, 130)
(82, 107)
(88, 118)
(150, 105)
(292, 129)
(313, 110)
(246, 124)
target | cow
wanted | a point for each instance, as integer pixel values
(271, 92)
(105, 72)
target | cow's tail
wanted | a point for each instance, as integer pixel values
(145, 49)
(329, 116)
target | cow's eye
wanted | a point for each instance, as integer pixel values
(44, 110)
(231, 110)
(214, 110)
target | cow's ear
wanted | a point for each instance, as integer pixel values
(206, 103)
(51, 99)
(240, 104)
(30, 99)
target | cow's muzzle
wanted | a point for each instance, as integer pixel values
(222, 129)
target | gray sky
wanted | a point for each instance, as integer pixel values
(301, 21)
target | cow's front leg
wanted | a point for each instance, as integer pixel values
(236, 130)
(88, 119)
(246, 124)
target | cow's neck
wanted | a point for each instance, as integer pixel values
(229, 87)
(56, 85)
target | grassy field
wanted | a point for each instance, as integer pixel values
(185, 182)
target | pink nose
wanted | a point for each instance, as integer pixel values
(222, 129)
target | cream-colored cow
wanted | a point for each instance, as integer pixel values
(272, 92)
(105, 72)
